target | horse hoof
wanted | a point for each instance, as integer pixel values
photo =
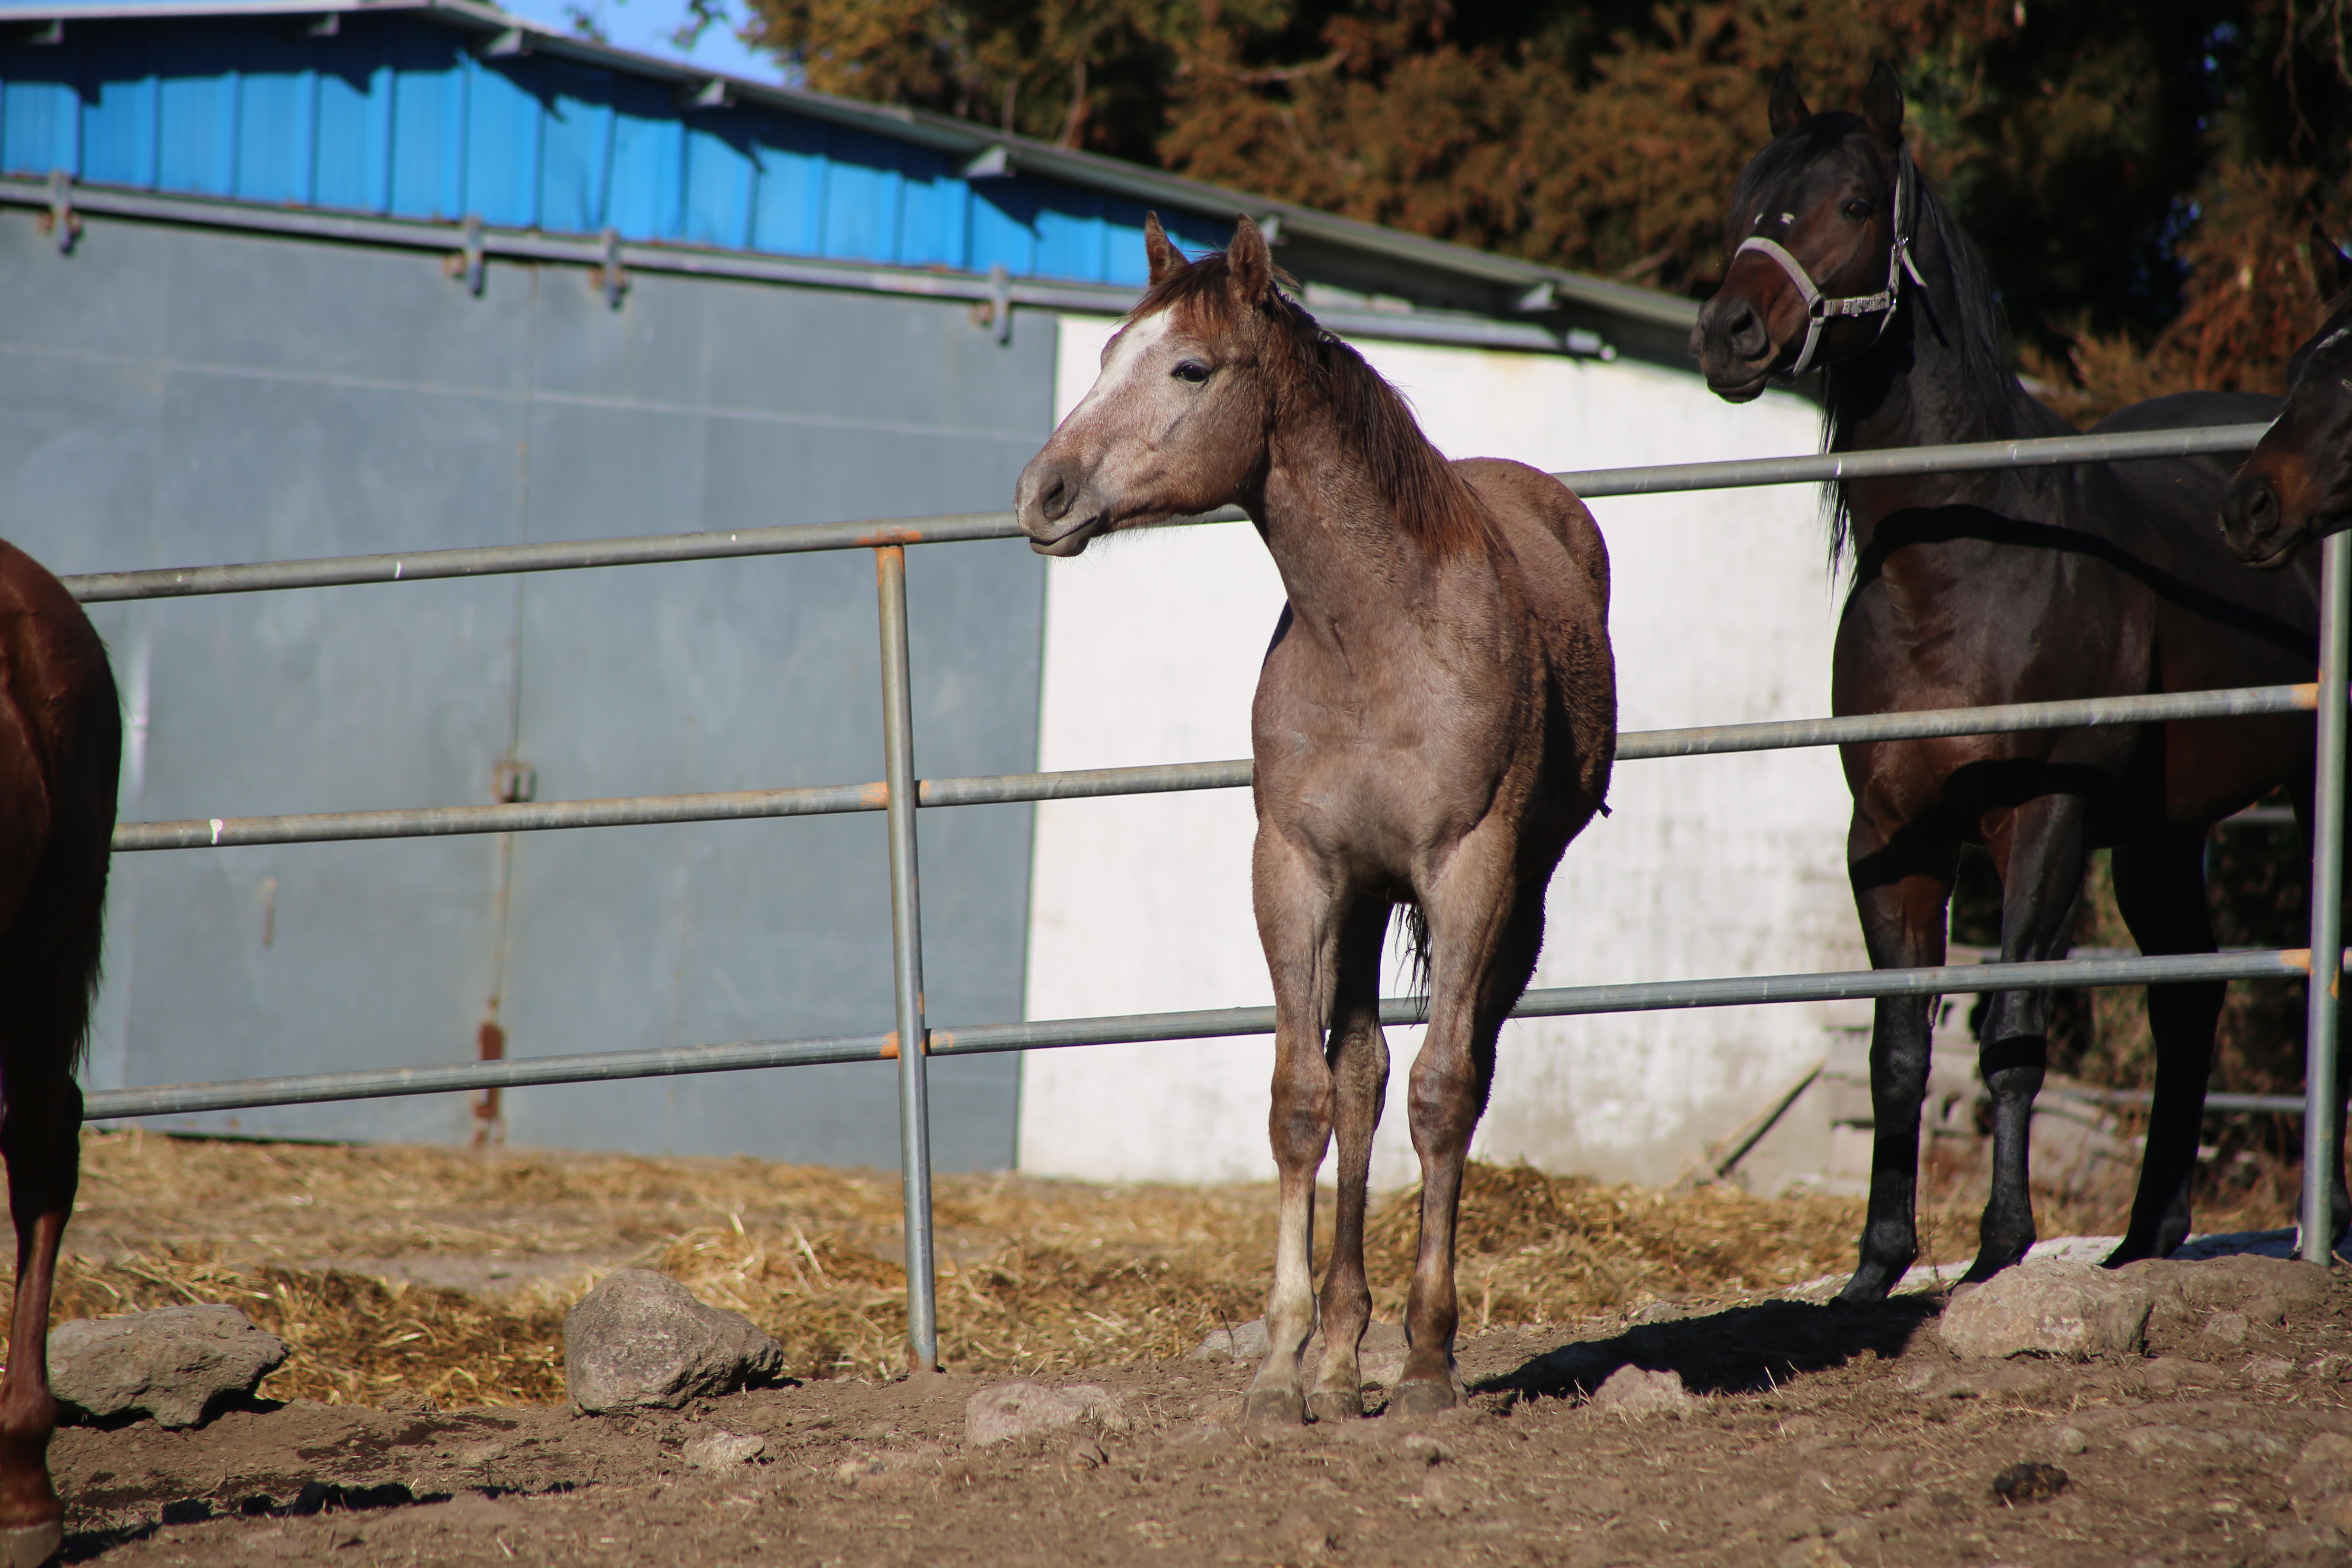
(1274, 1407)
(30, 1545)
(1335, 1404)
(1412, 1399)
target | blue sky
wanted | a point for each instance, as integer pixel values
(646, 26)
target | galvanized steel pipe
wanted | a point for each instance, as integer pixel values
(1949, 980)
(2320, 1134)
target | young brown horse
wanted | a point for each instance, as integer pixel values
(60, 741)
(2298, 487)
(1434, 721)
(2016, 585)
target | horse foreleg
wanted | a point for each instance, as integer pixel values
(1484, 935)
(1903, 899)
(40, 1140)
(1360, 1065)
(1298, 927)
(2040, 852)
(2160, 888)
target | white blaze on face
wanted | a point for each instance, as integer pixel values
(1121, 361)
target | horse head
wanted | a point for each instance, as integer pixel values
(1178, 420)
(1817, 238)
(2297, 486)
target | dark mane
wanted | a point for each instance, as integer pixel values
(1957, 317)
(1433, 506)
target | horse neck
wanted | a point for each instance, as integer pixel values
(1334, 538)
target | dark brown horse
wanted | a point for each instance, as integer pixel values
(2298, 487)
(2015, 586)
(60, 740)
(1434, 721)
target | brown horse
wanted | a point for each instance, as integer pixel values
(1435, 720)
(2298, 487)
(60, 742)
(2018, 586)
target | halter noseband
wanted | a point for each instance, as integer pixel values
(1818, 310)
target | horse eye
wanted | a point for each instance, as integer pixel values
(1857, 208)
(1191, 372)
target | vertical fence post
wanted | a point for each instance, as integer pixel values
(2319, 1130)
(907, 961)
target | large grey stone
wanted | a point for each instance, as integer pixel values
(641, 1341)
(2074, 1309)
(1633, 1391)
(1008, 1410)
(179, 1364)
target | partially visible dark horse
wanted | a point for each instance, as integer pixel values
(2298, 487)
(2006, 585)
(60, 742)
(1434, 721)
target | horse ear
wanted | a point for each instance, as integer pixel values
(1881, 104)
(1788, 109)
(2330, 267)
(1252, 263)
(1166, 259)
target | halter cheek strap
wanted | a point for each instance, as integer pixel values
(1821, 310)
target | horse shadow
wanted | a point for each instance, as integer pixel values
(1740, 1350)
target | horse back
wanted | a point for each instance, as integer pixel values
(1515, 495)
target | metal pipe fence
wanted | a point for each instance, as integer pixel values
(900, 796)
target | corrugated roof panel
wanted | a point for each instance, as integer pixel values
(1070, 236)
(861, 198)
(197, 107)
(354, 144)
(648, 157)
(934, 213)
(788, 200)
(576, 158)
(40, 108)
(503, 121)
(428, 123)
(1001, 234)
(723, 155)
(117, 108)
(276, 118)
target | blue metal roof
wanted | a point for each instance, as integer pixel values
(404, 114)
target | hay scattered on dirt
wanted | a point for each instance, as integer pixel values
(1034, 1276)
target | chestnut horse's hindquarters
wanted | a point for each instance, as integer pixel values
(60, 750)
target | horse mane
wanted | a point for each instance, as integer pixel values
(1434, 508)
(1963, 315)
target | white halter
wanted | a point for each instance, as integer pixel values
(1819, 311)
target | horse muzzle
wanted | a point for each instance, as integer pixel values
(1734, 348)
(1054, 509)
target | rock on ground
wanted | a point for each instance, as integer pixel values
(1631, 1390)
(1007, 1410)
(2074, 1309)
(2264, 1290)
(179, 1364)
(641, 1341)
(724, 1450)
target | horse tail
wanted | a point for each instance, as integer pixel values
(1413, 930)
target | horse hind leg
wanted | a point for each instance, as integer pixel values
(1487, 936)
(2041, 881)
(2160, 888)
(1358, 1055)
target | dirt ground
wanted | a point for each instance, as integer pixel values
(423, 1291)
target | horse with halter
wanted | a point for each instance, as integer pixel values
(2298, 487)
(1434, 721)
(60, 746)
(1997, 586)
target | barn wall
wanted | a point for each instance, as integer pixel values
(1721, 614)
(172, 396)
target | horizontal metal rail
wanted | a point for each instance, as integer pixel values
(2220, 1104)
(735, 805)
(99, 1105)
(648, 549)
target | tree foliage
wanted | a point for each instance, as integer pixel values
(2139, 175)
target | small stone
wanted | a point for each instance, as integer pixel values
(724, 1450)
(1245, 1342)
(1008, 1410)
(2069, 1440)
(1427, 1448)
(641, 1341)
(2031, 1481)
(1631, 1390)
(2226, 1328)
(2268, 1368)
(179, 1364)
(2321, 1473)
(2074, 1309)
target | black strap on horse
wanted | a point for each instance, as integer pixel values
(1818, 310)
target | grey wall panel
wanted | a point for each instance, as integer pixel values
(184, 398)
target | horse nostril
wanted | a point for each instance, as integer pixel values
(1055, 498)
(2257, 508)
(1745, 330)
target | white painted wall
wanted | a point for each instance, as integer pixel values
(1721, 613)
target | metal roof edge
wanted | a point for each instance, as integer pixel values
(947, 134)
